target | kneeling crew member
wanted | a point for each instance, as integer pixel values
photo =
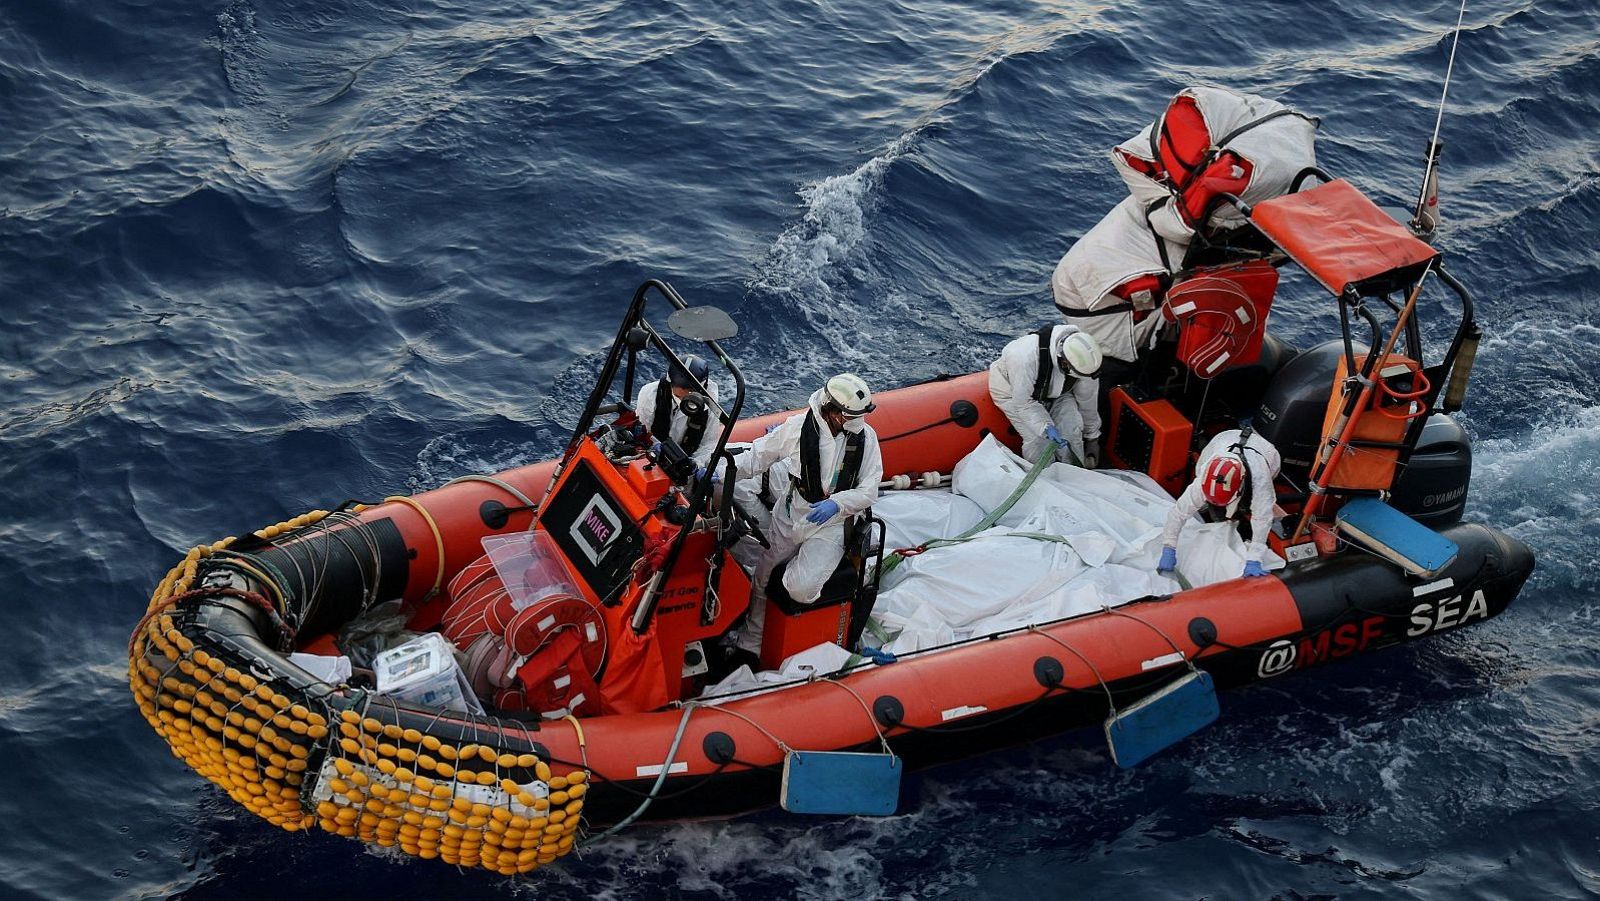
(668, 411)
(823, 467)
(1236, 470)
(1047, 384)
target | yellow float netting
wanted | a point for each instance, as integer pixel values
(341, 762)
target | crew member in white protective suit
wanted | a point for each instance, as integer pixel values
(673, 407)
(823, 467)
(1236, 471)
(1046, 382)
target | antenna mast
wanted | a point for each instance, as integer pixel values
(1425, 219)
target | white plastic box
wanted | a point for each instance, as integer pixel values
(424, 671)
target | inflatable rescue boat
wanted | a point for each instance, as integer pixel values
(573, 609)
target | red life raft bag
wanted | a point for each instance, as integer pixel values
(542, 656)
(1221, 312)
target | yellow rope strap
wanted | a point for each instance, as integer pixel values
(438, 539)
(270, 583)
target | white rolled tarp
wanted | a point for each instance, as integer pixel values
(1118, 249)
(913, 517)
(1278, 149)
(1077, 541)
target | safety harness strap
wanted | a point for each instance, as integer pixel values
(661, 422)
(767, 498)
(1247, 490)
(1047, 363)
(1110, 310)
(809, 484)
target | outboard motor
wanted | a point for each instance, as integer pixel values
(1294, 406)
(1432, 488)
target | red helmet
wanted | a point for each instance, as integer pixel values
(1222, 479)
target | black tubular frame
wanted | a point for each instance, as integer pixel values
(624, 344)
(1437, 374)
(1352, 300)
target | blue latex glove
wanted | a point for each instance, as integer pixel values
(878, 656)
(1252, 568)
(699, 473)
(655, 448)
(1054, 434)
(822, 511)
(1169, 560)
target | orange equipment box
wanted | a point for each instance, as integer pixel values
(786, 634)
(1150, 435)
(1370, 462)
(647, 479)
(791, 627)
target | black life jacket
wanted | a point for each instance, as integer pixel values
(661, 423)
(1047, 368)
(809, 483)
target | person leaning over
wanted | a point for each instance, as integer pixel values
(1046, 382)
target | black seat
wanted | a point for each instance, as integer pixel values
(839, 589)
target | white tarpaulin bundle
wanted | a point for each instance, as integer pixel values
(1097, 284)
(816, 661)
(1078, 540)
(1276, 143)
(912, 517)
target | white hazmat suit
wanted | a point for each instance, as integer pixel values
(645, 407)
(1074, 409)
(1262, 462)
(812, 549)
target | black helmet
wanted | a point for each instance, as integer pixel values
(691, 375)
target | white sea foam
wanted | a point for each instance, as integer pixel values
(1542, 488)
(810, 253)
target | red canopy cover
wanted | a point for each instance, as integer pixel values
(1343, 239)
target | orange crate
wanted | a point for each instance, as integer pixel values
(1369, 468)
(1151, 436)
(790, 629)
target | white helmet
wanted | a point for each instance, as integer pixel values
(1080, 355)
(851, 395)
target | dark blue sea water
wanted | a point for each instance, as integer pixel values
(260, 256)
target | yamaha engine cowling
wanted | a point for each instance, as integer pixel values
(1432, 487)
